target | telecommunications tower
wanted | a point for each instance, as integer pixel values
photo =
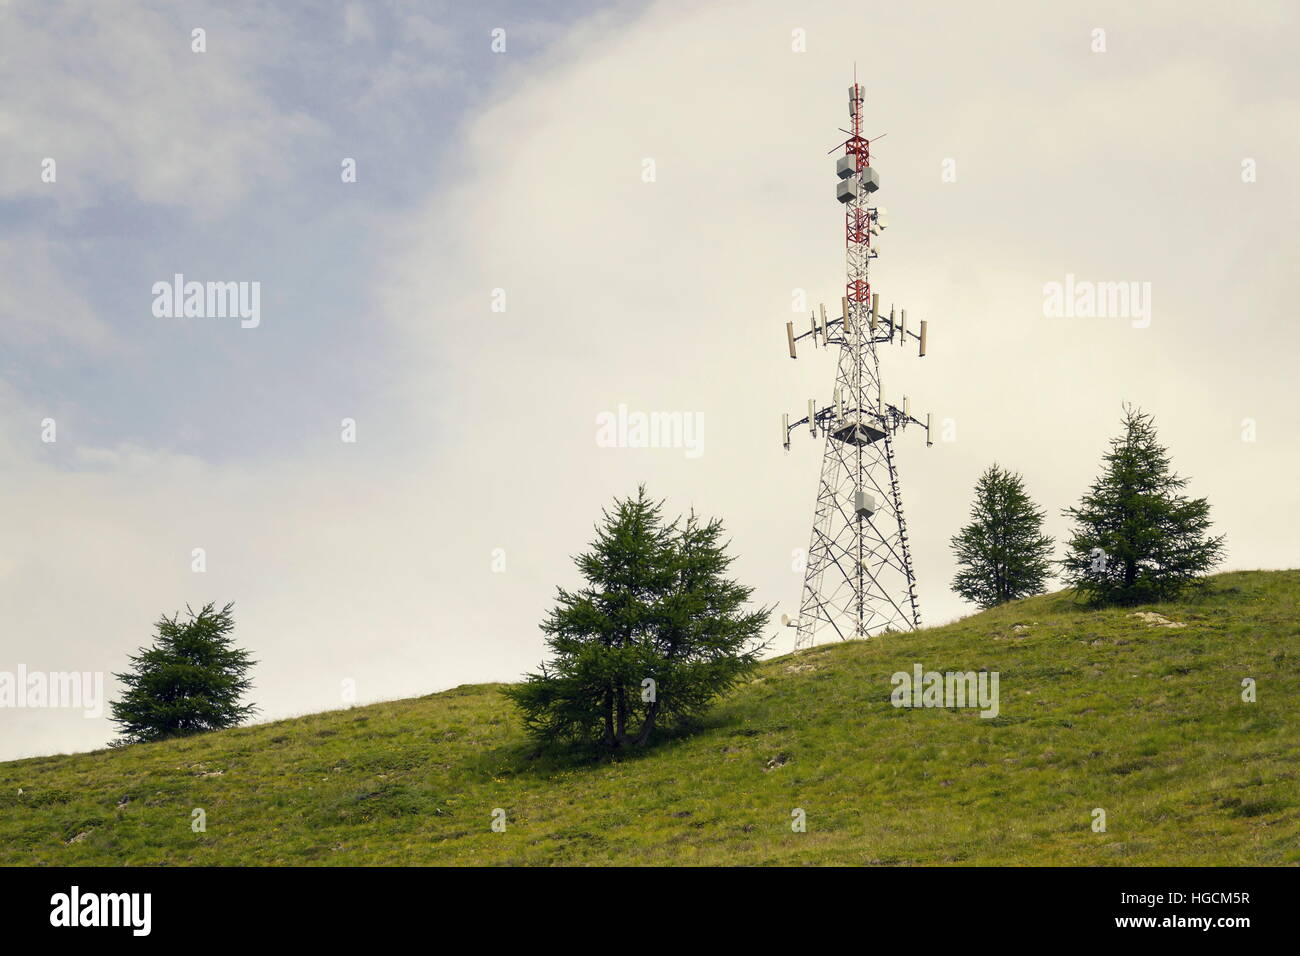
(859, 580)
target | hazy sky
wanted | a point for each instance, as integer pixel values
(1023, 146)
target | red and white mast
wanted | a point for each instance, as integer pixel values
(859, 579)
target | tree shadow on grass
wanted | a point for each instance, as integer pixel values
(545, 761)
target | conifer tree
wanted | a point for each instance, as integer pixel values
(1136, 538)
(656, 634)
(1002, 554)
(191, 680)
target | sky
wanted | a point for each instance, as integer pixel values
(561, 209)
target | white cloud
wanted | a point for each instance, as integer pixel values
(129, 104)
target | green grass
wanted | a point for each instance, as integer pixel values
(1098, 709)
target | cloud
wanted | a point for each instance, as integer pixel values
(672, 294)
(356, 24)
(38, 304)
(131, 104)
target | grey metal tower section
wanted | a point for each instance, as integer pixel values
(859, 579)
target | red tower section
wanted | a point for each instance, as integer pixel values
(857, 218)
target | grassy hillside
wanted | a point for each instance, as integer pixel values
(1098, 709)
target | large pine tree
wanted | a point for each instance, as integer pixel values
(1136, 538)
(656, 634)
(191, 680)
(1002, 554)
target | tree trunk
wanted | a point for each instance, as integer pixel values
(620, 731)
(648, 726)
(610, 740)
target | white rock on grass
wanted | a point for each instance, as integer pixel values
(1156, 620)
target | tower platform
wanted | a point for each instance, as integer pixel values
(857, 430)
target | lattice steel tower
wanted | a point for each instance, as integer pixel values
(859, 579)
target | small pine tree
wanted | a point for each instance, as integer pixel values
(655, 635)
(1136, 539)
(1002, 554)
(190, 681)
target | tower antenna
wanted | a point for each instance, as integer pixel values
(859, 579)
